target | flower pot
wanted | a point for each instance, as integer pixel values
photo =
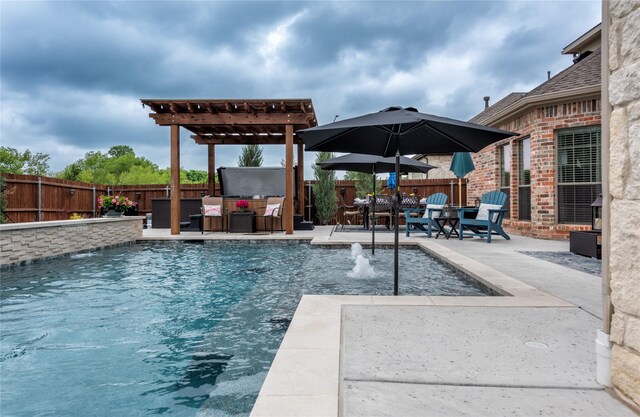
(113, 213)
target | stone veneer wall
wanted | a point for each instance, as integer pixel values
(28, 242)
(442, 164)
(624, 190)
(539, 124)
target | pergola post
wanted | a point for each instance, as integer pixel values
(175, 179)
(301, 178)
(212, 169)
(288, 200)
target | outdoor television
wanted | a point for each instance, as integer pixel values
(253, 181)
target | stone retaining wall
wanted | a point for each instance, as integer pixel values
(27, 242)
(624, 190)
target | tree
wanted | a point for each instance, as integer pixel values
(196, 176)
(120, 150)
(14, 162)
(119, 165)
(324, 189)
(251, 156)
(363, 183)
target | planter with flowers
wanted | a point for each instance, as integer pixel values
(115, 205)
(242, 205)
(243, 220)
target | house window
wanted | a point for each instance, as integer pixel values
(579, 173)
(505, 174)
(524, 179)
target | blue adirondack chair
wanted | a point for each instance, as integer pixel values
(485, 227)
(424, 223)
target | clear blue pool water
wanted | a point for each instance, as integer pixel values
(172, 329)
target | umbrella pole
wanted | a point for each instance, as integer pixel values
(373, 216)
(459, 192)
(396, 219)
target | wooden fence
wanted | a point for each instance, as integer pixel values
(31, 198)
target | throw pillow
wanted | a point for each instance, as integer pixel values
(272, 210)
(437, 213)
(483, 211)
(212, 211)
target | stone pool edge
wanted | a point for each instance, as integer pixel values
(304, 378)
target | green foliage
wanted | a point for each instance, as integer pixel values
(14, 162)
(326, 200)
(196, 176)
(120, 165)
(363, 183)
(251, 156)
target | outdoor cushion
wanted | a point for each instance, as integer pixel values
(483, 211)
(272, 210)
(435, 213)
(212, 211)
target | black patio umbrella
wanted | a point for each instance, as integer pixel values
(400, 131)
(372, 164)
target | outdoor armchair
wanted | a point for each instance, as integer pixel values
(434, 205)
(213, 211)
(488, 219)
(272, 211)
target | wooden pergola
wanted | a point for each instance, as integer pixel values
(235, 122)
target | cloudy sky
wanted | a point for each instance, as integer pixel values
(73, 73)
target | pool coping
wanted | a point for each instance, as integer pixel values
(304, 378)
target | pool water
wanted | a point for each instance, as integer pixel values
(174, 329)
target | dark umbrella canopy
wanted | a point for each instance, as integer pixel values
(372, 164)
(415, 132)
(400, 131)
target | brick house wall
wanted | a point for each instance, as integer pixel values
(540, 125)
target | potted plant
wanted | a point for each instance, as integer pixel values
(242, 205)
(114, 206)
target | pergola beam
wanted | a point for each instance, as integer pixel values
(300, 120)
(243, 140)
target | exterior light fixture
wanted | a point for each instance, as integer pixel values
(72, 191)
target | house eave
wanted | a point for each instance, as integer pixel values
(523, 105)
(577, 45)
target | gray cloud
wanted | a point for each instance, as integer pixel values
(73, 72)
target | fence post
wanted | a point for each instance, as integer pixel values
(39, 217)
(452, 193)
(94, 201)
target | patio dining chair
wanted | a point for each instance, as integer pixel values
(384, 210)
(349, 213)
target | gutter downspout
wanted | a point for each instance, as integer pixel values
(603, 345)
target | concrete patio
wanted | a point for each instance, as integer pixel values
(529, 353)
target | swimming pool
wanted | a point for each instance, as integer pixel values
(173, 328)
